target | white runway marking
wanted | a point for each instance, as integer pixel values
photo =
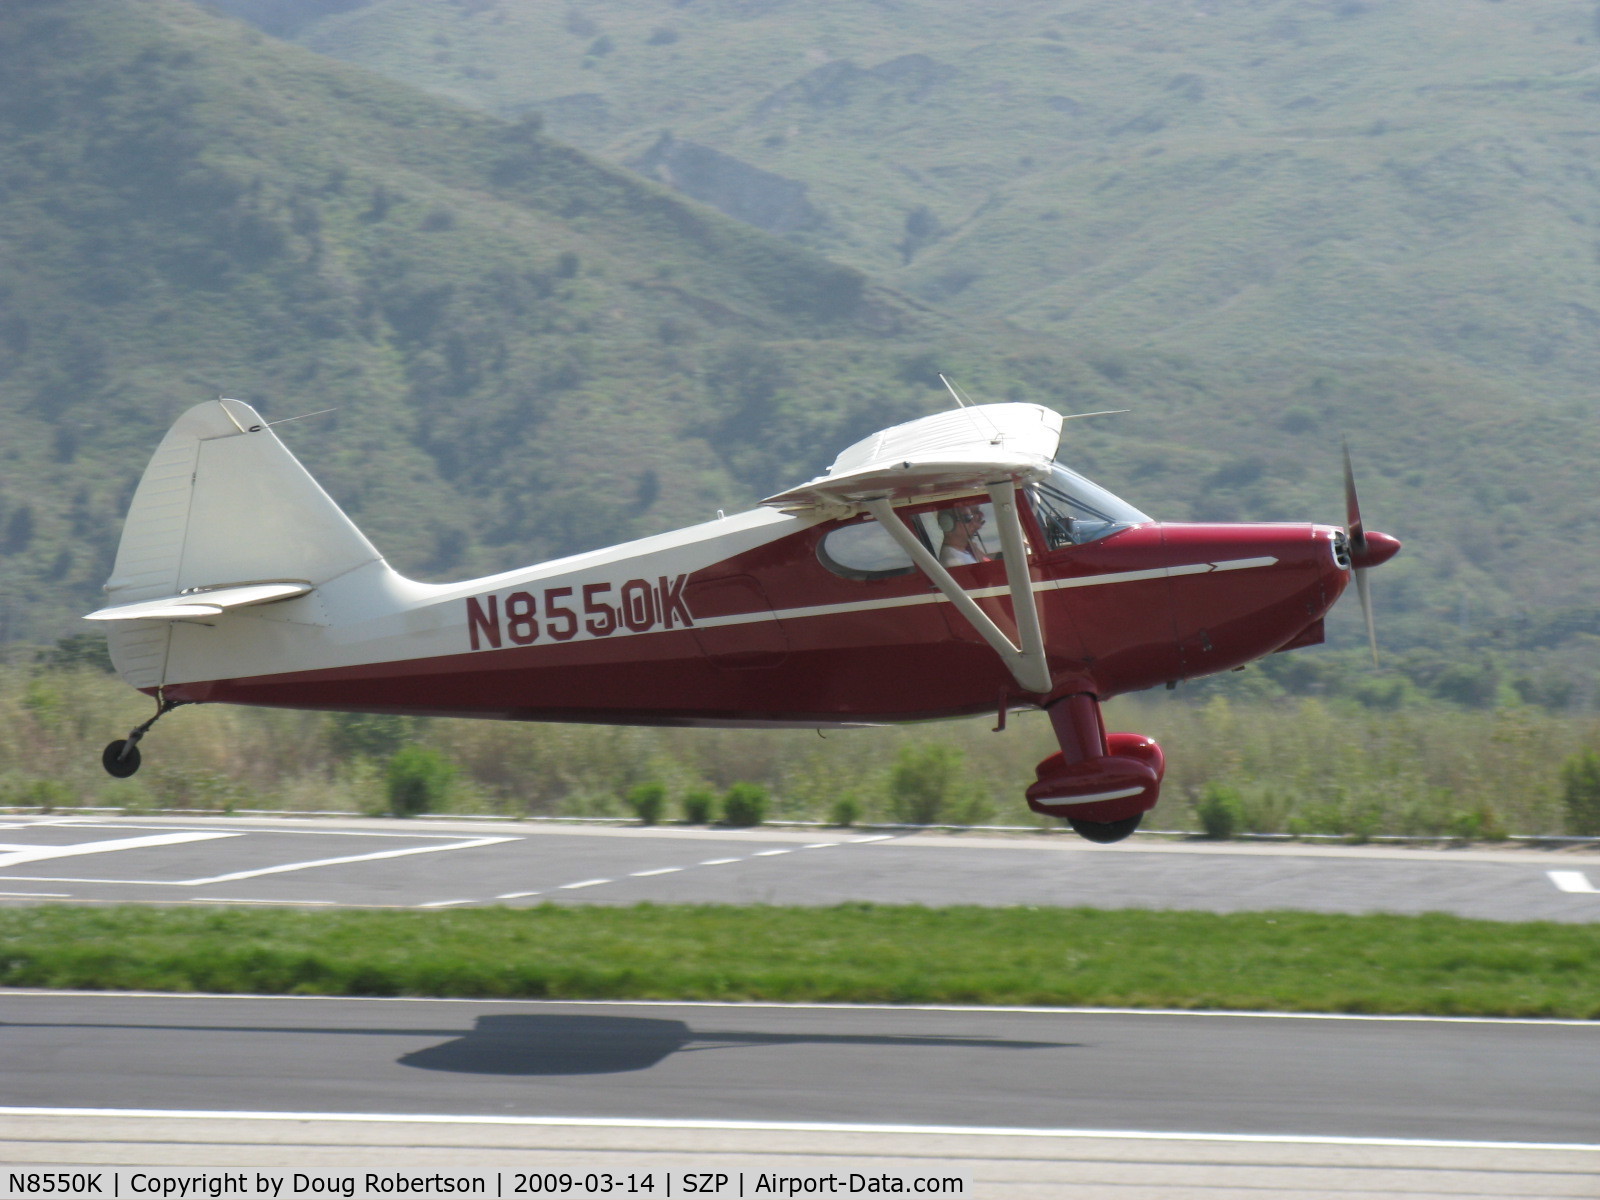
(820, 846)
(1203, 1014)
(349, 858)
(657, 871)
(1143, 1135)
(583, 883)
(234, 876)
(718, 862)
(769, 853)
(290, 903)
(15, 855)
(41, 895)
(1572, 881)
(443, 903)
(516, 895)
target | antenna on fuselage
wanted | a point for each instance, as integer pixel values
(963, 403)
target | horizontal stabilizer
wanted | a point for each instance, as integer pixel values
(957, 450)
(202, 602)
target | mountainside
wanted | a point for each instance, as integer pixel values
(531, 351)
(527, 351)
(1306, 178)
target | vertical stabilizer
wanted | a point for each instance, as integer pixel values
(223, 502)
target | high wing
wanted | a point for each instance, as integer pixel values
(962, 449)
(988, 447)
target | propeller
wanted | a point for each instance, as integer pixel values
(1367, 550)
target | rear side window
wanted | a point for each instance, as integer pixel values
(863, 550)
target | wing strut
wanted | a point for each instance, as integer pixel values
(1026, 662)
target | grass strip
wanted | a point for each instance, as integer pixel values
(1284, 961)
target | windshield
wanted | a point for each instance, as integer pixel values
(1071, 510)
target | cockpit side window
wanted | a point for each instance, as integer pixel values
(863, 550)
(1071, 510)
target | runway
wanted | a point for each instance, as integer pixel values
(442, 864)
(1021, 1102)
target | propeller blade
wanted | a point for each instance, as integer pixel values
(1366, 611)
(1354, 529)
(1356, 536)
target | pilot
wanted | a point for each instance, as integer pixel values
(962, 543)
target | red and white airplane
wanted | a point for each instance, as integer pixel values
(944, 567)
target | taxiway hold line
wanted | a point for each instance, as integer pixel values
(1143, 1135)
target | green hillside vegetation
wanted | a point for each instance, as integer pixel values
(1263, 226)
(528, 352)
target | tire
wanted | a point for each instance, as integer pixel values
(1105, 832)
(116, 763)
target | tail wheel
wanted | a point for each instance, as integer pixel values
(1105, 831)
(120, 759)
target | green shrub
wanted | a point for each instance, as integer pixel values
(697, 805)
(418, 780)
(647, 801)
(43, 794)
(1480, 824)
(1580, 786)
(846, 811)
(376, 735)
(1220, 811)
(744, 805)
(926, 783)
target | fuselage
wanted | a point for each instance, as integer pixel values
(741, 621)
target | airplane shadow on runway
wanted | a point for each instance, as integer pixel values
(583, 1045)
(569, 1044)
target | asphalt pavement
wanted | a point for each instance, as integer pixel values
(1022, 1103)
(441, 864)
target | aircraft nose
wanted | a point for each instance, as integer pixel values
(1378, 548)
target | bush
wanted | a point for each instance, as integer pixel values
(1580, 779)
(418, 780)
(744, 805)
(926, 783)
(697, 805)
(846, 811)
(1220, 810)
(1480, 824)
(647, 801)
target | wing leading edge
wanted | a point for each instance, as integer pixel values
(960, 449)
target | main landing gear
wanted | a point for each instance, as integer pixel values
(121, 757)
(1101, 784)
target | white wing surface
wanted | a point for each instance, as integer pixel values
(964, 448)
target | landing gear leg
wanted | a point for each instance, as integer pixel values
(1101, 784)
(121, 757)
